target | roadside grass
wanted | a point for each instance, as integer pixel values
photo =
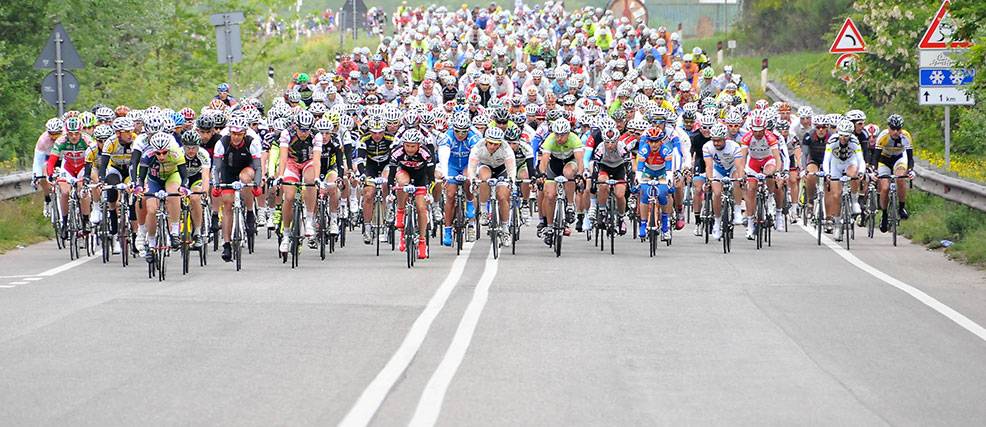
(934, 219)
(21, 222)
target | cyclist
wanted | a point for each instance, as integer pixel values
(561, 155)
(723, 159)
(198, 164)
(372, 158)
(453, 153)
(813, 145)
(494, 160)
(654, 158)
(609, 162)
(237, 158)
(697, 148)
(791, 157)
(412, 163)
(162, 167)
(113, 168)
(299, 151)
(843, 157)
(894, 156)
(42, 149)
(335, 162)
(760, 149)
(68, 153)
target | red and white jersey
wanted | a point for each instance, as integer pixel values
(759, 148)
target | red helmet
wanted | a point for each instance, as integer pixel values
(758, 123)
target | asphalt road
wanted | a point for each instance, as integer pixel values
(793, 334)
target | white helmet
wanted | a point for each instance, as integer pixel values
(845, 128)
(161, 141)
(561, 125)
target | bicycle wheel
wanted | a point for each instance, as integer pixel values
(494, 227)
(892, 215)
(819, 220)
(237, 239)
(871, 209)
(321, 235)
(186, 242)
(409, 221)
(123, 235)
(162, 243)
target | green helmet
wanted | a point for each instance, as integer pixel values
(87, 119)
(303, 78)
(708, 73)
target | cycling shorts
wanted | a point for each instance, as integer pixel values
(755, 166)
(294, 171)
(556, 166)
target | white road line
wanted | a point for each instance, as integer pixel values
(433, 396)
(373, 396)
(925, 299)
(32, 279)
(18, 283)
(66, 266)
(17, 276)
(7, 286)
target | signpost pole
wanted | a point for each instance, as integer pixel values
(229, 50)
(354, 20)
(58, 74)
(948, 137)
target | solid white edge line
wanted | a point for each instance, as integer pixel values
(66, 266)
(7, 286)
(433, 396)
(924, 298)
(373, 396)
(17, 283)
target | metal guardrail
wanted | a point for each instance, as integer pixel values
(19, 183)
(15, 185)
(927, 178)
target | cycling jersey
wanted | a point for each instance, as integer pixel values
(562, 150)
(71, 154)
(378, 151)
(816, 146)
(502, 160)
(839, 157)
(653, 161)
(300, 149)
(117, 153)
(453, 153)
(160, 170)
(759, 148)
(724, 160)
(419, 166)
(891, 150)
(196, 163)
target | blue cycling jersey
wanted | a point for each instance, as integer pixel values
(459, 150)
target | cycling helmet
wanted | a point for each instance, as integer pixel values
(187, 113)
(161, 141)
(707, 121)
(102, 132)
(305, 120)
(238, 124)
(427, 118)
(220, 120)
(855, 115)
(123, 124)
(279, 125)
(561, 126)
(688, 116)
(638, 125)
(412, 136)
(895, 121)
(761, 104)
(782, 125)
(845, 128)
(758, 122)
(317, 109)
(376, 125)
(54, 125)
(500, 115)
(121, 110)
(411, 119)
(323, 125)
(494, 135)
(346, 122)
(153, 123)
(205, 122)
(303, 78)
(168, 125)
(460, 122)
(190, 138)
(177, 119)
(512, 134)
(819, 120)
(805, 111)
(223, 87)
(294, 97)
(519, 119)
(734, 118)
(104, 114)
(87, 119)
(480, 120)
(610, 134)
(718, 131)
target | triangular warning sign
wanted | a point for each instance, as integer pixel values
(70, 57)
(940, 32)
(849, 40)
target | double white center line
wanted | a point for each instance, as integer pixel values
(430, 404)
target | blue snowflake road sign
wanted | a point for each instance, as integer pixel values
(946, 76)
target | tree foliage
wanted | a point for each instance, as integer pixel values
(789, 25)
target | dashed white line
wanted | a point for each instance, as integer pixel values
(32, 279)
(373, 396)
(18, 283)
(7, 286)
(430, 404)
(924, 298)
